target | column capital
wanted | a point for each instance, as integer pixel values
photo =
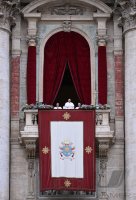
(31, 40)
(8, 11)
(102, 40)
(127, 10)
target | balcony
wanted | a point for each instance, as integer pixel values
(104, 135)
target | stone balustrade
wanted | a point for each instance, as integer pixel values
(29, 136)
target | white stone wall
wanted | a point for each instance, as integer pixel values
(4, 114)
(130, 114)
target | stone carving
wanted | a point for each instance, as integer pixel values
(31, 179)
(30, 145)
(99, 118)
(67, 10)
(103, 148)
(31, 40)
(102, 40)
(8, 11)
(127, 10)
(67, 26)
(35, 119)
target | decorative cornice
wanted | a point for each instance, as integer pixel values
(8, 11)
(96, 3)
(127, 9)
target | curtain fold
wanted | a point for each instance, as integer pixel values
(54, 66)
(79, 64)
(102, 75)
(61, 48)
(31, 75)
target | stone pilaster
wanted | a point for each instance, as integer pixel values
(101, 39)
(7, 11)
(128, 21)
(32, 19)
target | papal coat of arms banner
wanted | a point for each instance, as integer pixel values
(67, 150)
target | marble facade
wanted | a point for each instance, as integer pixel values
(101, 22)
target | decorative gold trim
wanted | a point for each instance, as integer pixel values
(67, 183)
(66, 116)
(88, 149)
(45, 150)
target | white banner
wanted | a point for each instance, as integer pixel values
(67, 149)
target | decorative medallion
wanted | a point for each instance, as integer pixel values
(67, 150)
(45, 150)
(88, 149)
(67, 183)
(66, 116)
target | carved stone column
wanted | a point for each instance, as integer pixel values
(128, 20)
(7, 11)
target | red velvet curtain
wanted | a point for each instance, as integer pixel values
(31, 75)
(61, 48)
(54, 66)
(79, 64)
(102, 75)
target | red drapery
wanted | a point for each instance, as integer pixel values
(61, 48)
(102, 75)
(31, 75)
(47, 182)
(79, 64)
(54, 66)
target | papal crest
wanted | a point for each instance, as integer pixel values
(67, 150)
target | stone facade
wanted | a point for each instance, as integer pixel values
(100, 22)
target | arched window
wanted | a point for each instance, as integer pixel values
(61, 49)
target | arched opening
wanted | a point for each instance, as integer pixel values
(67, 58)
(67, 89)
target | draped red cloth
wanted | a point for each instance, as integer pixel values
(47, 182)
(31, 75)
(102, 75)
(71, 48)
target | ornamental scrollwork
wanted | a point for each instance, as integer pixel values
(8, 12)
(127, 10)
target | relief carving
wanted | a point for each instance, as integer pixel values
(127, 9)
(67, 26)
(8, 11)
(67, 10)
(31, 179)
